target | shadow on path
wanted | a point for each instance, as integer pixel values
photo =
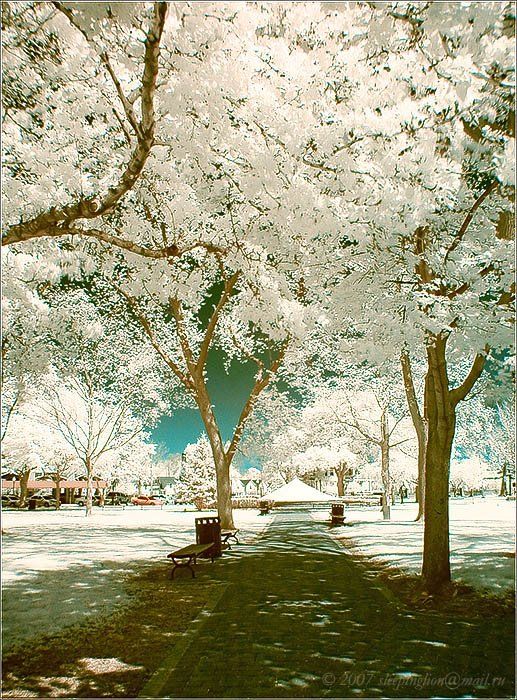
(300, 619)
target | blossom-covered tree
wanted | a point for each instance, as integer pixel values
(61, 463)
(196, 483)
(431, 222)
(23, 450)
(305, 165)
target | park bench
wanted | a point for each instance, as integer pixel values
(265, 507)
(227, 535)
(187, 556)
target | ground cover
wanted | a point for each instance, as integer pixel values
(482, 537)
(130, 615)
(60, 568)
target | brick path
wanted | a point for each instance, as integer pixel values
(300, 619)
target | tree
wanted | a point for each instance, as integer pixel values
(370, 414)
(132, 466)
(468, 474)
(432, 222)
(197, 482)
(318, 460)
(218, 214)
(264, 171)
(485, 432)
(91, 421)
(60, 463)
(23, 450)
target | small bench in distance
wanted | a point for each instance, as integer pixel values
(187, 556)
(227, 535)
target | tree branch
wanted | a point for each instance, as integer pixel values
(466, 223)
(461, 391)
(209, 333)
(47, 223)
(260, 384)
(163, 253)
(146, 326)
(177, 313)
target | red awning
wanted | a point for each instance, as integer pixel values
(49, 484)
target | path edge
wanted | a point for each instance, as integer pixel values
(157, 681)
(380, 586)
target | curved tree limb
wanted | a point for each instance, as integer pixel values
(161, 253)
(47, 223)
(260, 384)
(460, 392)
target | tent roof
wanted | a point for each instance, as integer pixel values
(297, 492)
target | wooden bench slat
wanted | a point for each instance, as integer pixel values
(190, 550)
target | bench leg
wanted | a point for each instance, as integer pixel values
(181, 565)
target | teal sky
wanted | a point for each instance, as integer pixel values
(228, 393)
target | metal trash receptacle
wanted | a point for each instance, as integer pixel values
(209, 530)
(337, 513)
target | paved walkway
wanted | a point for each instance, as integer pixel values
(300, 619)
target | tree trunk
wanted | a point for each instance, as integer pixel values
(441, 422)
(503, 491)
(340, 481)
(385, 467)
(222, 466)
(420, 426)
(89, 487)
(57, 493)
(24, 479)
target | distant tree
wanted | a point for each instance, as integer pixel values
(468, 475)
(61, 463)
(92, 421)
(131, 466)
(23, 450)
(197, 480)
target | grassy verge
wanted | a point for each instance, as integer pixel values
(113, 655)
(456, 598)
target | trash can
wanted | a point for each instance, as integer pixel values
(264, 507)
(338, 509)
(32, 504)
(337, 513)
(209, 530)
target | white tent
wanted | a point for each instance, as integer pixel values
(297, 492)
